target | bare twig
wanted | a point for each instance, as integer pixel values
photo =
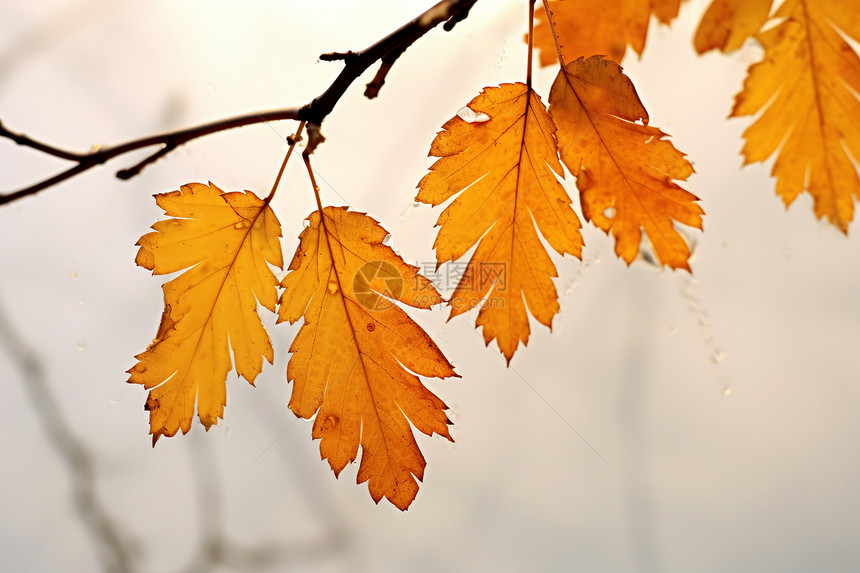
(373, 87)
(458, 16)
(387, 50)
(386, 62)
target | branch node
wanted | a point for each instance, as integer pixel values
(126, 174)
(372, 89)
(458, 17)
(338, 56)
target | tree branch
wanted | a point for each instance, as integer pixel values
(387, 50)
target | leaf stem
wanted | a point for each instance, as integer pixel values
(549, 19)
(314, 184)
(292, 140)
(531, 43)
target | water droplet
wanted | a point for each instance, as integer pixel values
(469, 115)
(82, 346)
(239, 225)
(718, 356)
(332, 287)
(727, 391)
(609, 212)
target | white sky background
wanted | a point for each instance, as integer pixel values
(763, 480)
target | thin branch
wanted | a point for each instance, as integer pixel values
(166, 141)
(458, 16)
(386, 62)
(387, 50)
(373, 87)
(39, 146)
(292, 141)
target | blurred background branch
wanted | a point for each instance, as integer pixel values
(117, 550)
(113, 545)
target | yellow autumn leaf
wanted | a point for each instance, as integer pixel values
(226, 241)
(625, 170)
(728, 23)
(805, 91)
(354, 357)
(598, 27)
(504, 173)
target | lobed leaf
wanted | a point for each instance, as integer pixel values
(624, 168)
(805, 92)
(590, 27)
(727, 24)
(353, 359)
(226, 241)
(503, 175)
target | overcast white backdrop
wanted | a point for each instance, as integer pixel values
(608, 445)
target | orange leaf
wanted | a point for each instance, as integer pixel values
(351, 356)
(728, 23)
(624, 168)
(604, 27)
(227, 242)
(506, 168)
(807, 86)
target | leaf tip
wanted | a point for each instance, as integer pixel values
(145, 258)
